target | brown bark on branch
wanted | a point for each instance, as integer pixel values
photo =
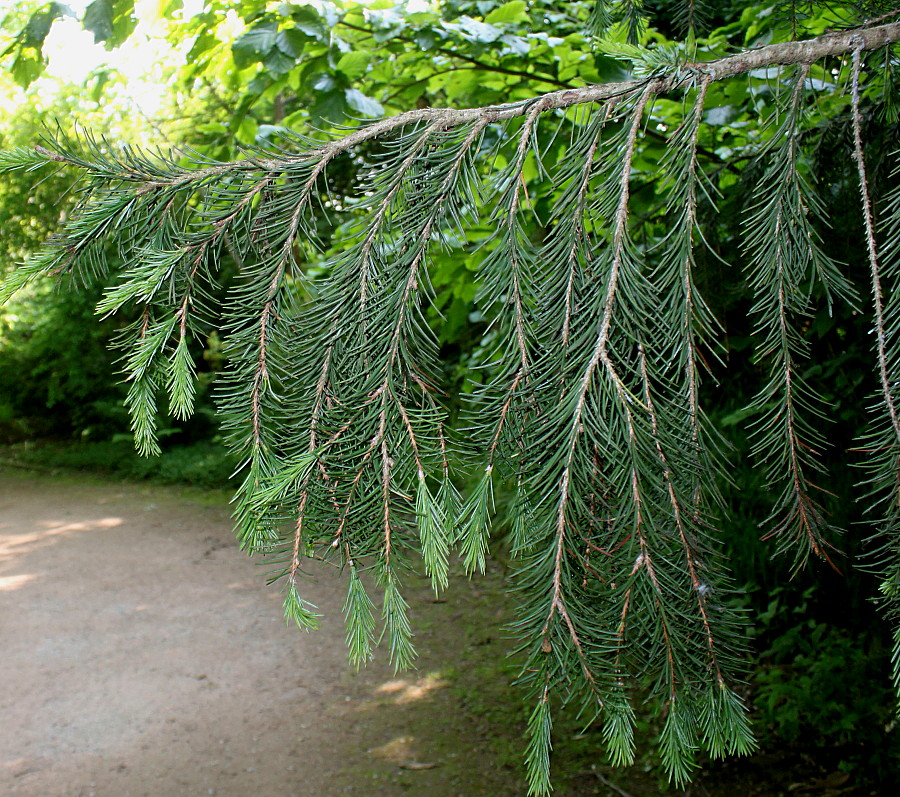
(784, 54)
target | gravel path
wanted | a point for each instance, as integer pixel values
(142, 654)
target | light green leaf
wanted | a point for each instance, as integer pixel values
(98, 19)
(308, 20)
(354, 64)
(26, 69)
(513, 11)
(387, 23)
(474, 31)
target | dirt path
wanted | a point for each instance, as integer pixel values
(141, 654)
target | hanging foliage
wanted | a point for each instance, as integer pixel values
(589, 408)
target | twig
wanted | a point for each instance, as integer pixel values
(610, 785)
(541, 78)
(871, 247)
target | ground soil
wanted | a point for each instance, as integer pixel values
(144, 655)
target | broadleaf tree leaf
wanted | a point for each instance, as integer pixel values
(111, 21)
(354, 64)
(26, 69)
(517, 45)
(246, 131)
(266, 133)
(202, 45)
(308, 20)
(426, 39)
(324, 82)
(387, 23)
(39, 25)
(98, 19)
(99, 83)
(330, 106)
(124, 22)
(292, 41)
(284, 42)
(509, 12)
(278, 63)
(365, 105)
(165, 9)
(252, 46)
(474, 31)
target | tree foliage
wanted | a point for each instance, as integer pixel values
(587, 395)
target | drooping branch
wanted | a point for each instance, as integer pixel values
(783, 252)
(885, 379)
(590, 404)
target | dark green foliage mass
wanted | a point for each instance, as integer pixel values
(43, 384)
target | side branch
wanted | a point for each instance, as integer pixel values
(887, 391)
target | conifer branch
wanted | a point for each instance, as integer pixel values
(311, 450)
(782, 54)
(885, 381)
(590, 404)
(784, 253)
(698, 587)
(884, 440)
(690, 316)
(576, 234)
(557, 603)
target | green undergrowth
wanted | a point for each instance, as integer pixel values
(819, 698)
(205, 465)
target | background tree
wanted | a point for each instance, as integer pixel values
(584, 225)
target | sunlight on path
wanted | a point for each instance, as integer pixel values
(143, 654)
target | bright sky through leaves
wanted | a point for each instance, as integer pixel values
(74, 56)
(75, 59)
